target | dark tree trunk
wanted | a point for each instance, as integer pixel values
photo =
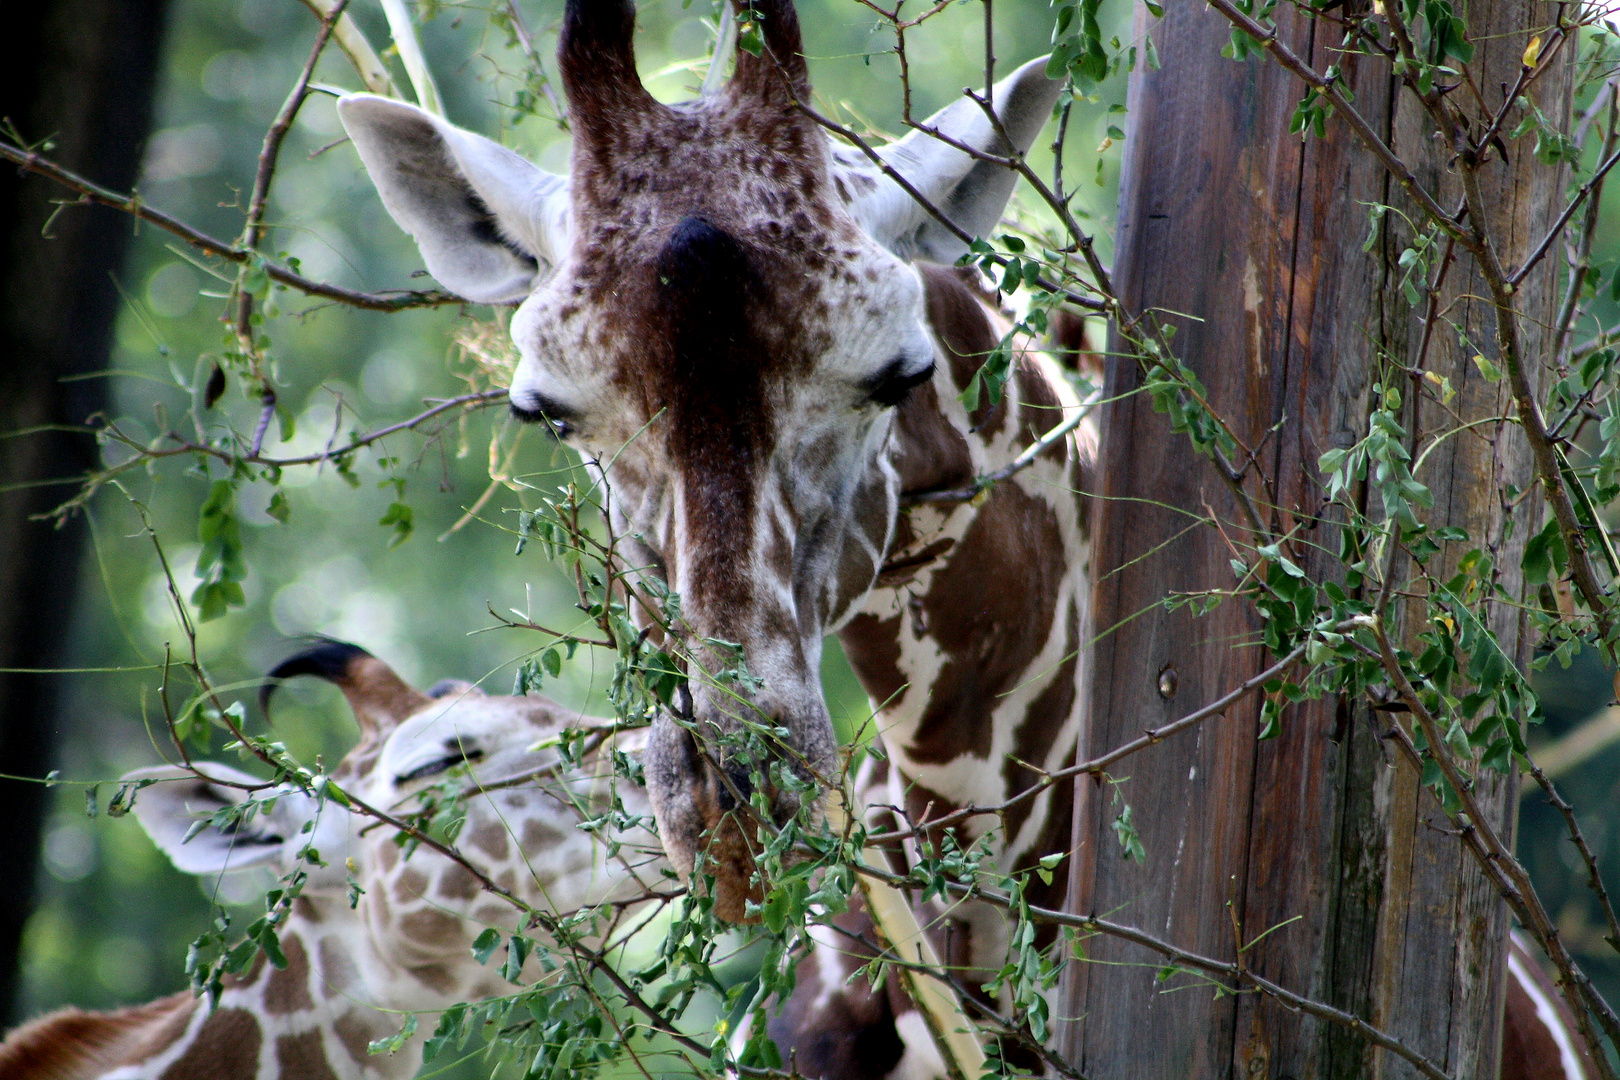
(1226, 216)
(81, 73)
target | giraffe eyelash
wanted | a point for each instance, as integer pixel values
(892, 385)
(440, 765)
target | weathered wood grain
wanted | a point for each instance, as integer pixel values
(1257, 236)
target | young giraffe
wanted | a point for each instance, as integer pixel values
(406, 945)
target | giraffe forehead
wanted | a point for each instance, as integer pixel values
(757, 178)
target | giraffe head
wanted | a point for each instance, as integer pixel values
(407, 937)
(717, 308)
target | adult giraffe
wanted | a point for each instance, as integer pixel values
(405, 945)
(745, 321)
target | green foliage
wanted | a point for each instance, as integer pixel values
(220, 565)
(1321, 587)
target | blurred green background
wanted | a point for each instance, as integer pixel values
(114, 918)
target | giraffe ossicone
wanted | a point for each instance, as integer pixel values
(405, 944)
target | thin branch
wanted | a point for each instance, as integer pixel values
(1192, 960)
(1594, 880)
(253, 228)
(1502, 289)
(1498, 862)
(1558, 226)
(1099, 766)
(1006, 472)
(90, 192)
(850, 136)
(1403, 175)
(482, 399)
(353, 42)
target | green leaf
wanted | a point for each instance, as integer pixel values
(485, 944)
(1130, 843)
(449, 1031)
(395, 1042)
(402, 518)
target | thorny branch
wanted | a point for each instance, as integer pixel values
(1498, 862)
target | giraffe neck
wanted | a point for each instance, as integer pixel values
(972, 641)
(312, 1020)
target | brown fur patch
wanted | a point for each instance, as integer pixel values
(990, 608)
(457, 883)
(538, 836)
(430, 927)
(338, 971)
(958, 320)
(411, 884)
(437, 977)
(226, 1047)
(355, 1034)
(490, 838)
(303, 1057)
(1529, 1050)
(287, 989)
(1043, 721)
(872, 646)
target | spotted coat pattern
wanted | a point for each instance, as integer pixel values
(405, 946)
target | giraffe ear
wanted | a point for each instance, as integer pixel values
(177, 807)
(972, 193)
(488, 221)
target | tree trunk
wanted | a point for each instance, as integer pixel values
(1225, 216)
(80, 72)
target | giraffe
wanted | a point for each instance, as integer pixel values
(404, 945)
(757, 329)
(760, 331)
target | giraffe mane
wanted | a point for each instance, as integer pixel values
(75, 1044)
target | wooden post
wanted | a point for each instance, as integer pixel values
(1226, 217)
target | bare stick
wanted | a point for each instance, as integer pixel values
(90, 192)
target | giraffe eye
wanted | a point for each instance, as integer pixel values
(894, 383)
(539, 410)
(454, 756)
